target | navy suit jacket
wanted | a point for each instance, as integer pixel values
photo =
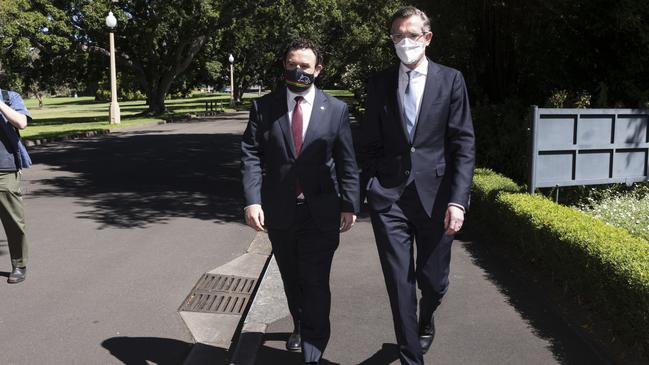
(441, 157)
(326, 166)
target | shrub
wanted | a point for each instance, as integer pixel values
(102, 95)
(488, 183)
(130, 95)
(604, 266)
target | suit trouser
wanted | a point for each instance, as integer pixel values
(13, 217)
(304, 254)
(395, 231)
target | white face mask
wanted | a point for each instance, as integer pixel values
(409, 51)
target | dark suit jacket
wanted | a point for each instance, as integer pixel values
(326, 167)
(442, 153)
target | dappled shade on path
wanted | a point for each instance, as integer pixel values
(136, 179)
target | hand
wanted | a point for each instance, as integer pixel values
(347, 221)
(254, 216)
(453, 220)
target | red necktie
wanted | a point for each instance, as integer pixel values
(296, 129)
(296, 124)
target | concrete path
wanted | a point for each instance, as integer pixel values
(120, 228)
(488, 317)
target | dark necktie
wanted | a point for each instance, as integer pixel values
(296, 124)
(296, 130)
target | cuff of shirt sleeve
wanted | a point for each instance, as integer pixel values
(248, 206)
(457, 205)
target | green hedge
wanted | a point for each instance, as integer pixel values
(604, 266)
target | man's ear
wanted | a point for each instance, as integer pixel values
(428, 37)
(318, 68)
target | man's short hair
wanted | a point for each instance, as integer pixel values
(407, 12)
(303, 43)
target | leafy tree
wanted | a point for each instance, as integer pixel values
(352, 36)
(362, 46)
(35, 49)
(156, 40)
(255, 34)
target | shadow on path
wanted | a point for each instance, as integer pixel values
(142, 178)
(388, 354)
(566, 343)
(272, 356)
(145, 350)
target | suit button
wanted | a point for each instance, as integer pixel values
(407, 172)
(412, 149)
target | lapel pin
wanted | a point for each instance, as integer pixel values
(322, 108)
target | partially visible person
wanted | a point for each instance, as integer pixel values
(419, 151)
(13, 116)
(301, 183)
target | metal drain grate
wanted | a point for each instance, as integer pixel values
(219, 294)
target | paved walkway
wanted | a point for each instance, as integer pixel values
(120, 228)
(488, 317)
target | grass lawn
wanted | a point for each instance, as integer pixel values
(65, 115)
(340, 93)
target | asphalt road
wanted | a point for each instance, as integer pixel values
(120, 229)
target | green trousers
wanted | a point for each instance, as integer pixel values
(12, 215)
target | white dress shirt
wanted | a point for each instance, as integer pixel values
(306, 105)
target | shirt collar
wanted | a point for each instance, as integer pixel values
(309, 95)
(422, 69)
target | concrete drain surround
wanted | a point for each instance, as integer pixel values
(224, 294)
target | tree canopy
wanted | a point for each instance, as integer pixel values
(506, 49)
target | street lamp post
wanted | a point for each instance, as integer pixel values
(231, 59)
(111, 22)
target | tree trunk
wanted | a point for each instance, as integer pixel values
(156, 101)
(156, 94)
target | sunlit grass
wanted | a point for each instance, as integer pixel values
(340, 93)
(66, 115)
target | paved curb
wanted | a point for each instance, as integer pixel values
(40, 141)
(268, 306)
(213, 333)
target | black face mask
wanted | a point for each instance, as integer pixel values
(297, 80)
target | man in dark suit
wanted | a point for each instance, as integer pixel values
(301, 183)
(418, 148)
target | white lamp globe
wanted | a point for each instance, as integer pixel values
(111, 21)
(231, 58)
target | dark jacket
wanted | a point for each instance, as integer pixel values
(442, 153)
(326, 167)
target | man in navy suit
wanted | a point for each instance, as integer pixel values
(418, 148)
(301, 183)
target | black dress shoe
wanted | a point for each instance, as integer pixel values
(17, 275)
(294, 342)
(426, 335)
